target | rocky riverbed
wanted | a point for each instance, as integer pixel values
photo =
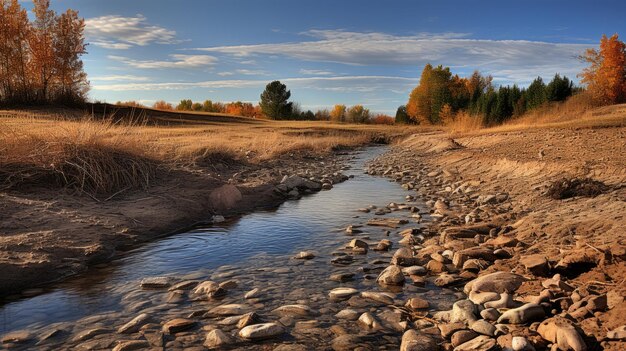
(457, 264)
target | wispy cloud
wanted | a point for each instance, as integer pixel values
(120, 78)
(336, 84)
(315, 72)
(450, 49)
(118, 32)
(177, 61)
(251, 72)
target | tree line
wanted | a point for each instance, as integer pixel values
(40, 60)
(440, 95)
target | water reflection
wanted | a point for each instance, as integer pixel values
(310, 223)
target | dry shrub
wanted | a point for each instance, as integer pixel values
(93, 157)
(568, 188)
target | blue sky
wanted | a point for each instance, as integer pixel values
(327, 52)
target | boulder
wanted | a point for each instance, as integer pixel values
(536, 264)
(483, 327)
(463, 311)
(225, 197)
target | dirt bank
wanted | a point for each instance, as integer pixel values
(49, 234)
(536, 203)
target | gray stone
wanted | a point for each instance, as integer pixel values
(522, 315)
(261, 331)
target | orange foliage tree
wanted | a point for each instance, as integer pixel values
(338, 113)
(383, 119)
(606, 75)
(163, 105)
(40, 61)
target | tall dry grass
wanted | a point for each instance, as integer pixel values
(103, 157)
(579, 111)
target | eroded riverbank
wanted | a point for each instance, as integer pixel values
(459, 253)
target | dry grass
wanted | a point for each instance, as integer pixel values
(102, 157)
(576, 112)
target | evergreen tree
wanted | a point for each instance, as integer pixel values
(275, 101)
(535, 94)
(402, 117)
(559, 88)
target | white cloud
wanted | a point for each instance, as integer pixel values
(335, 84)
(250, 72)
(224, 74)
(449, 49)
(120, 78)
(315, 72)
(118, 32)
(177, 61)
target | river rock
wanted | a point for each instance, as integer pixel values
(305, 255)
(392, 275)
(261, 331)
(345, 342)
(417, 303)
(358, 244)
(184, 285)
(131, 345)
(89, 333)
(462, 336)
(522, 315)
(383, 245)
(495, 282)
(463, 311)
(505, 301)
(563, 333)
(368, 321)
(134, 324)
(299, 183)
(248, 319)
(17, 337)
(341, 277)
(216, 339)
(228, 310)
(447, 329)
(293, 310)
(483, 327)
(481, 298)
(342, 293)
(480, 343)
(445, 279)
(378, 297)
(414, 270)
(348, 314)
(519, 343)
(177, 325)
(404, 257)
(490, 314)
(252, 293)
(206, 287)
(156, 283)
(414, 341)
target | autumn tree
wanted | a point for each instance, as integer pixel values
(163, 105)
(383, 119)
(196, 106)
(275, 101)
(40, 61)
(322, 115)
(432, 93)
(357, 114)
(606, 75)
(446, 115)
(338, 113)
(184, 105)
